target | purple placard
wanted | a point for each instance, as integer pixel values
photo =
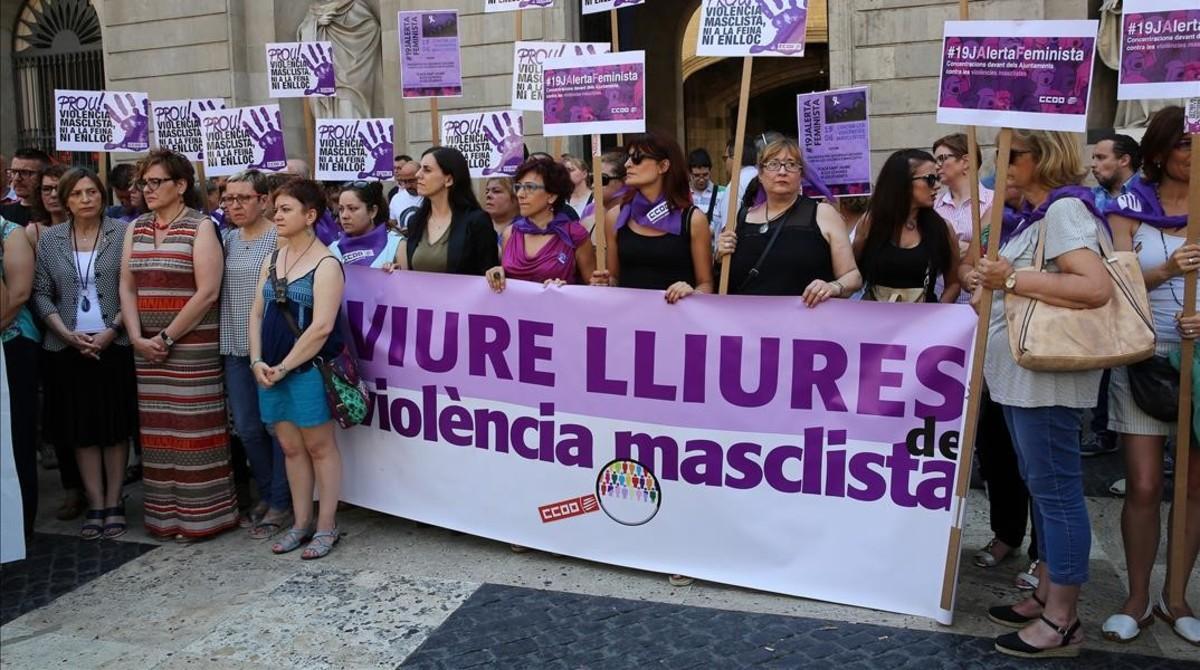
(349, 149)
(836, 135)
(430, 65)
(752, 28)
(1018, 74)
(243, 137)
(300, 69)
(101, 121)
(492, 142)
(607, 95)
(1160, 50)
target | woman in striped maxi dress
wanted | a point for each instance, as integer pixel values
(170, 284)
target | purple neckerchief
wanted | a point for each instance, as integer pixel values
(353, 248)
(590, 208)
(1140, 202)
(1031, 217)
(657, 215)
(327, 229)
(557, 226)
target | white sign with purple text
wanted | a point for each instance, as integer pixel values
(603, 94)
(528, 58)
(490, 6)
(1160, 50)
(241, 138)
(597, 6)
(350, 149)
(300, 69)
(492, 142)
(752, 28)
(177, 124)
(101, 121)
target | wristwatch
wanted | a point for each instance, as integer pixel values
(1010, 282)
(166, 339)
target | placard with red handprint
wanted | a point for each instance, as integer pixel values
(752, 28)
(493, 142)
(177, 124)
(105, 121)
(605, 96)
(242, 137)
(300, 69)
(527, 67)
(350, 149)
(1160, 50)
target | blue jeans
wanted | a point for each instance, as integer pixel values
(1047, 446)
(262, 450)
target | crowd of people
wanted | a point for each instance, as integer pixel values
(139, 318)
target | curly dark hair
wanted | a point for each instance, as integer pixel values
(555, 177)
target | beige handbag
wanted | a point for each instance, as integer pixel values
(1056, 339)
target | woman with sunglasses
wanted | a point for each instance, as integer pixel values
(612, 180)
(248, 241)
(790, 244)
(171, 271)
(366, 238)
(543, 244)
(500, 203)
(1151, 219)
(903, 246)
(1044, 409)
(448, 233)
(293, 320)
(656, 239)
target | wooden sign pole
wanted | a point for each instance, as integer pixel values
(435, 123)
(599, 215)
(739, 141)
(1176, 568)
(310, 134)
(101, 171)
(967, 443)
(616, 46)
(964, 13)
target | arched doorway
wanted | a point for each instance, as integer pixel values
(56, 45)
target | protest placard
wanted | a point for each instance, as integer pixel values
(1160, 50)
(490, 6)
(101, 121)
(300, 69)
(1191, 117)
(242, 137)
(752, 28)
(1017, 74)
(597, 6)
(603, 94)
(177, 124)
(430, 64)
(493, 142)
(349, 149)
(528, 58)
(835, 133)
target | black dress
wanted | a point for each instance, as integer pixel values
(656, 262)
(896, 267)
(800, 255)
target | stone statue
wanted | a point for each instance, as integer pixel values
(354, 31)
(1130, 113)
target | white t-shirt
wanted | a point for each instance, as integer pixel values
(91, 321)
(703, 199)
(402, 201)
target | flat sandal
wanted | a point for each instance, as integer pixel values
(292, 540)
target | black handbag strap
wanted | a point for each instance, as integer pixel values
(754, 271)
(712, 204)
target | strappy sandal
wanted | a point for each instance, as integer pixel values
(1007, 615)
(292, 540)
(986, 558)
(322, 543)
(115, 529)
(270, 525)
(1012, 644)
(93, 524)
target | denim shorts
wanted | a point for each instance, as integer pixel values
(298, 399)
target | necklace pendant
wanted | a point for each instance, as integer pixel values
(762, 230)
(85, 304)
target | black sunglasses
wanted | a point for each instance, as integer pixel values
(605, 179)
(931, 180)
(636, 157)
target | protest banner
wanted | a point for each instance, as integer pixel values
(603, 94)
(752, 28)
(490, 6)
(779, 453)
(350, 149)
(300, 69)
(101, 121)
(177, 124)
(835, 134)
(1160, 50)
(492, 142)
(528, 58)
(597, 6)
(1017, 74)
(242, 137)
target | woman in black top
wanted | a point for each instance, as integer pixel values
(656, 239)
(449, 232)
(789, 244)
(902, 245)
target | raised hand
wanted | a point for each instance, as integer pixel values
(268, 136)
(789, 22)
(508, 141)
(379, 145)
(133, 119)
(195, 108)
(320, 64)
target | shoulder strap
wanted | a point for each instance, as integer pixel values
(281, 299)
(754, 271)
(712, 203)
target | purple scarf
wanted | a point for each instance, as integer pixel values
(1141, 203)
(657, 215)
(327, 228)
(1029, 217)
(590, 208)
(365, 248)
(558, 226)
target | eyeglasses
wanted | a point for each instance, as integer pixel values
(49, 190)
(18, 173)
(786, 166)
(636, 157)
(942, 158)
(239, 200)
(152, 184)
(1014, 154)
(605, 179)
(931, 180)
(528, 186)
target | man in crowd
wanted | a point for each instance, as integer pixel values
(706, 195)
(26, 164)
(406, 196)
(396, 165)
(120, 180)
(1115, 160)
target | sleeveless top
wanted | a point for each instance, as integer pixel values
(897, 267)
(165, 278)
(24, 325)
(800, 255)
(555, 260)
(1166, 300)
(656, 262)
(277, 335)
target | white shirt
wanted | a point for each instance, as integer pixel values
(90, 321)
(702, 200)
(749, 172)
(402, 201)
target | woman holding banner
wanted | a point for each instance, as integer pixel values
(1151, 219)
(656, 239)
(1043, 409)
(543, 244)
(366, 238)
(293, 320)
(790, 244)
(448, 233)
(500, 203)
(903, 247)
